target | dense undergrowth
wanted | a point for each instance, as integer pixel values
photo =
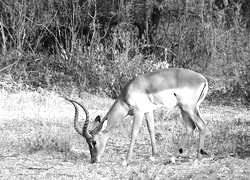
(87, 47)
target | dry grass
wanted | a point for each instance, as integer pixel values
(38, 141)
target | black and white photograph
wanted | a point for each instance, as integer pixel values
(125, 89)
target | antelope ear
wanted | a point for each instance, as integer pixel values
(101, 125)
(104, 124)
(96, 122)
(97, 119)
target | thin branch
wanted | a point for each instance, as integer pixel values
(163, 47)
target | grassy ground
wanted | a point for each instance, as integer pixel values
(38, 141)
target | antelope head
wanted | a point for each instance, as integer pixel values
(95, 139)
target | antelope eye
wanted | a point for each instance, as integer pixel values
(94, 143)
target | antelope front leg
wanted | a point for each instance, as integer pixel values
(138, 116)
(150, 125)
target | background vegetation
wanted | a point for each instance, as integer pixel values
(97, 46)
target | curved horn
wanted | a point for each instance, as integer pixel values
(84, 131)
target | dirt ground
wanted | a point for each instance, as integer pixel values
(30, 118)
(41, 166)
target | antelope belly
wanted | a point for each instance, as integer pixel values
(165, 98)
(153, 101)
(142, 103)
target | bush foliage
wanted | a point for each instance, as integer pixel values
(98, 46)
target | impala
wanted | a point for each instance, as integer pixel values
(143, 94)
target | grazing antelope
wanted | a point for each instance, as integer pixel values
(143, 94)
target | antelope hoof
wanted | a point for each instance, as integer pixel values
(201, 153)
(152, 158)
(125, 163)
(172, 159)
